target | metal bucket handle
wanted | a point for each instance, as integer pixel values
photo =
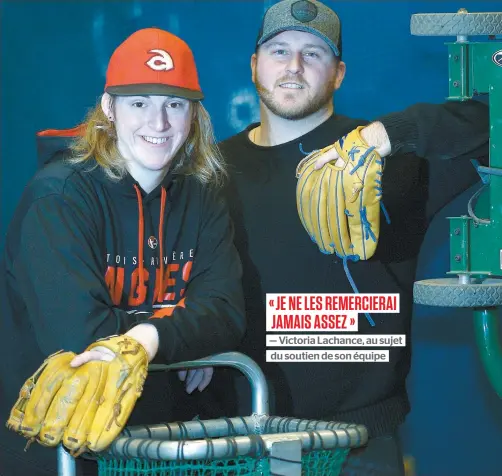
(252, 371)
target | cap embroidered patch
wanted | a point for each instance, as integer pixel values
(304, 11)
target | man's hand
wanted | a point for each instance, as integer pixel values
(196, 378)
(374, 135)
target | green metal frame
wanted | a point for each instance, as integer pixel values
(476, 245)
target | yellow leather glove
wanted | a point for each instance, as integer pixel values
(339, 206)
(85, 407)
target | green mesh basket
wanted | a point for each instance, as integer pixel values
(325, 463)
(254, 445)
(258, 444)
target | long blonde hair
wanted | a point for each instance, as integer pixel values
(199, 156)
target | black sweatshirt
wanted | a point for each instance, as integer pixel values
(279, 257)
(76, 250)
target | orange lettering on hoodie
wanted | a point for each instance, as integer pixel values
(114, 279)
(137, 295)
(167, 311)
(187, 269)
(161, 286)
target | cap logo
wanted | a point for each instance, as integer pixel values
(304, 11)
(162, 61)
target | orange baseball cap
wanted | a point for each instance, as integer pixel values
(153, 62)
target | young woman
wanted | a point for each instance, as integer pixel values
(123, 233)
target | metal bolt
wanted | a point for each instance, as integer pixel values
(456, 57)
(455, 84)
(457, 231)
(462, 10)
(458, 257)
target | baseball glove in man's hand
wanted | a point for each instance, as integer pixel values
(339, 204)
(84, 407)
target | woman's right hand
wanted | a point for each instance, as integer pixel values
(98, 353)
(144, 334)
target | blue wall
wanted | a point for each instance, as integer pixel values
(54, 56)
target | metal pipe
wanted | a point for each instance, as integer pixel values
(486, 328)
(66, 463)
(192, 430)
(236, 426)
(222, 448)
(255, 376)
(462, 38)
(464, 279)
(246, 365)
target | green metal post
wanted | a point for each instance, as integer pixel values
(486, 328)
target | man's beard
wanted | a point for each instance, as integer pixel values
(297, 109)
